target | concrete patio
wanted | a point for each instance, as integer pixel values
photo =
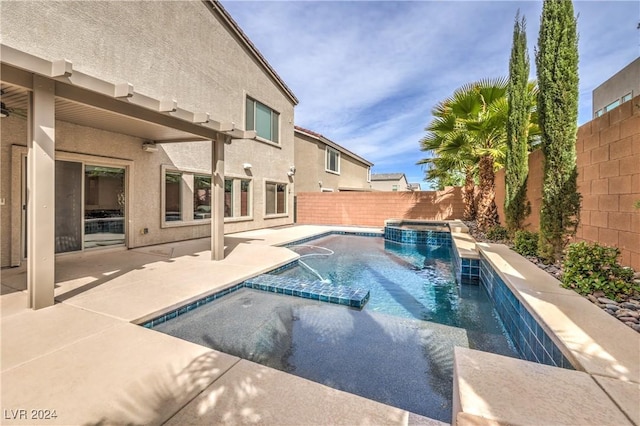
(85, 358)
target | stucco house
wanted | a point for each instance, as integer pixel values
(618, 89)
(390, 182)
(126, 124)
(324, 166)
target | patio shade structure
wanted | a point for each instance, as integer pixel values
(50, 90)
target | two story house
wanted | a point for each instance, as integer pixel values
(325, 166)
(126, 124)
(391, 182)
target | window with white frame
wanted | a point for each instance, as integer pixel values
(237, 198)
(245, 197)
(612, 105)
(262, 119)
(275, 198)
(368, 174)
(201, 197)
(186, 197)
(228, 198)
(332, 163)
(172, 196)
(627, 97)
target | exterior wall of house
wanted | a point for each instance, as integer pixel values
(373, 208)
(166, 50)
(310, 155)
(608, 159)
(387, 185)
(625, 81)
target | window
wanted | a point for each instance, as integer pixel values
(612, 105)
(368, 174)
(332, 161)
(276, 198)
(245, 197)
(228, 198)
(201, 197)
(627, 97)
(263, 120)
(172, 196)
(599, 112)
(394, 187)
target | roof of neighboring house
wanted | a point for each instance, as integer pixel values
(387, 176)
(332, 144)
(215, 5)
(414, 185)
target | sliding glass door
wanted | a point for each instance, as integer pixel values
(104, 201)
(90, 206)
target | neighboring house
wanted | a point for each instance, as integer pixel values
(323, 165)
(414, 186)
(389, 182)
(115, 116)
(620, 88)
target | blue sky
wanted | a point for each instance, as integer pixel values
(368, 73)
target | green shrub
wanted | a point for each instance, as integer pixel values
(592, 267)
(498, 233)
(526, 243)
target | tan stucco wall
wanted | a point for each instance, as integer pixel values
(176, 50)
(310, 165)
(72, 139)
(166, 49)
(387, 185)
(624, 81)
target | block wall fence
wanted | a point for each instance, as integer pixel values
(373, 208)
(608, 159)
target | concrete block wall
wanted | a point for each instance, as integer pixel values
(373, 208)
(608, 160)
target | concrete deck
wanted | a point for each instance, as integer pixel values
(85, 359)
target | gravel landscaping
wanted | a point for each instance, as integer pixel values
(627, 310)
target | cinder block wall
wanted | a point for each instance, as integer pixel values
(608, 159)
(373, 208)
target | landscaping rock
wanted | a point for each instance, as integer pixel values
(626, 311)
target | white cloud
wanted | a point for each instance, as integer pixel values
(367, 74)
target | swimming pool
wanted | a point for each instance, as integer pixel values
(397, 350)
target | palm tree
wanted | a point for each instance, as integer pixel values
(471, 127)
(450, 154)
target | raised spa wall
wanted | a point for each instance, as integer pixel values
(529, 337)
(599, 382)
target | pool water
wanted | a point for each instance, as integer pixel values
(397, 350)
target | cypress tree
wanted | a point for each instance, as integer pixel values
(516, 205)
(557, 72)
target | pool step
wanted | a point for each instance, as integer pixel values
(314, 290)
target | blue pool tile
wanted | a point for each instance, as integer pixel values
(527, 335)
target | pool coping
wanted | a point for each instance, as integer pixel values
(596, 344)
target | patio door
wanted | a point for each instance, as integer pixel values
(90, 206)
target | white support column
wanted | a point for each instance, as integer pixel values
(41, 194)
(217, 208)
